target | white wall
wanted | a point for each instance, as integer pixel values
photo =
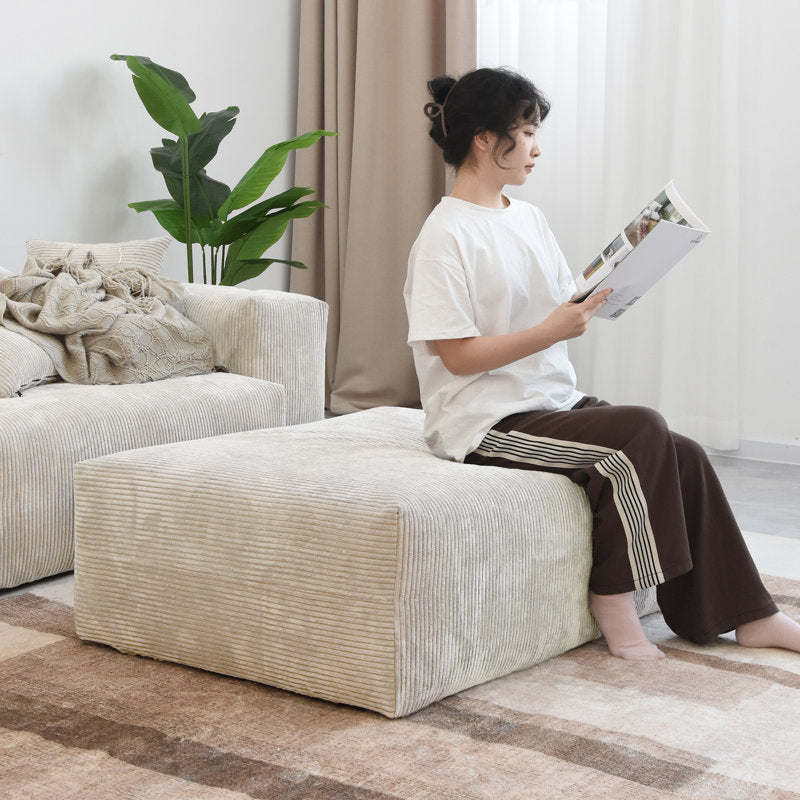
(770, 321)
(75, 138)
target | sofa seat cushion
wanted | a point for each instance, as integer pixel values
(49, 428)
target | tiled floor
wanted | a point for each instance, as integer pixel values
(765, 498)
(764, 495)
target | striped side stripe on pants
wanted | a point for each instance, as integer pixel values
(629, 498)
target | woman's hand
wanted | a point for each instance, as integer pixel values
(572, 319)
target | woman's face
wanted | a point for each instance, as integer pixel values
(518, 162)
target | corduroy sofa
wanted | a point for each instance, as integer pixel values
(270, 345)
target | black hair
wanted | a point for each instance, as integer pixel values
(485, 99)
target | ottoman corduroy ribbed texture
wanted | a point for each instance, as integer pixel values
(339, 559)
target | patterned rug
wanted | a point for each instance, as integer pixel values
(84, 721)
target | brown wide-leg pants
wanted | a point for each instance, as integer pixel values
(660, 515)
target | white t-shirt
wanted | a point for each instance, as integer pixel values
(476, 271)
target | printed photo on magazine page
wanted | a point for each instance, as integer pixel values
(646, 249)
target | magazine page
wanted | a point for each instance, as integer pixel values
(646, 249)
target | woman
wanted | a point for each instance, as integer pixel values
(488, 299)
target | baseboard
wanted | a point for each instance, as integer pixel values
(763, 451)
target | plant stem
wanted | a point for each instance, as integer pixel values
(187, 210)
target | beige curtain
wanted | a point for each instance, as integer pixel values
(364, 65)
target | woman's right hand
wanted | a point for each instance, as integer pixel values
(570, 319)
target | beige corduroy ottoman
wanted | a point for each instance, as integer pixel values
(338, 559)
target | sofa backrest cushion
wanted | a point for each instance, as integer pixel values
(148, 253)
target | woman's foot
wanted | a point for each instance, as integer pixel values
(616, 615)
(777, 630)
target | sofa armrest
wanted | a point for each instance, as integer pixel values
(267, 334)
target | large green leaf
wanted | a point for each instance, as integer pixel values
(204, 144)
(252, 268)
(173, 222)
(154, 205)
(282, 200)
(267, 232)
(171, 217)
(256, 180)
(240, 225)
(167, 160)
(169, 75)
(206, 195)
(206, 230)
(164, 94)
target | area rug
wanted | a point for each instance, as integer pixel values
(84, 721)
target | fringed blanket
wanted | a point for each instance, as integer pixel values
(104, 325)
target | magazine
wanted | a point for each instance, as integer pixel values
(645, 250)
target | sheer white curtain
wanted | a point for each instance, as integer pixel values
(641, 92)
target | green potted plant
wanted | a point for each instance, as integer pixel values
(200, 209)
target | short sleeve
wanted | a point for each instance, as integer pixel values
(438, 302)
(566, 281)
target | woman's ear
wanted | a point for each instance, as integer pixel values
(484, 141)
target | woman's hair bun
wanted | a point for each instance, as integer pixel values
(440, 87)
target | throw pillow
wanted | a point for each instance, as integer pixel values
(23, 363)
(147, 253)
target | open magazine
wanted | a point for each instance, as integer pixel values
(645, 250)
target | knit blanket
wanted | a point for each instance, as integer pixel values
(115, 324)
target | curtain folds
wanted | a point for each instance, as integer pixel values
(363, 71)
(641, 93)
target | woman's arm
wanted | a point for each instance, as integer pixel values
(476, 354)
